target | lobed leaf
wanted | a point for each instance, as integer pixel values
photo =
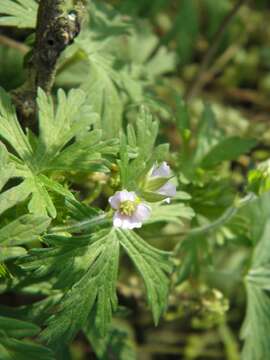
(228, 149)
(22, 230)
(153, 265)
(256, 326)
(65, 143)
(19, 13)
(94, 291)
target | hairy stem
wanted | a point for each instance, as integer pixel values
(88, 224)
(197, 82)
(222, 220)
(58, 23)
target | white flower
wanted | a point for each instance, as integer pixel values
(168, 189)
(130, 211)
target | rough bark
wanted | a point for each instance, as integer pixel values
(58, 24)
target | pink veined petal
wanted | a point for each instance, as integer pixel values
(163, 170)
(142, 212)
(121, 196)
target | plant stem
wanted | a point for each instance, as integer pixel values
(197, 83)
(222, 220)
(58, 23)
(82, 225)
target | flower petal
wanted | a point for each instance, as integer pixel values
(142, 212)
(115, 200)
(129, 195)
(125, 222)
(121, 196)
(120, 220)
(163, 170)
(168, 189)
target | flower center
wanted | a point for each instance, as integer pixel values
(127, 207)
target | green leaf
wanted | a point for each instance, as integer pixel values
(66, 261)
(254, 217)
(88, 265)
(189, 251)
(3, 271)
(142, 49)
(151, 196)
(98, 286)
(106, 21)
(171, 213)
(11, 349)
(83, 218)
(7, 168)
(228, 149)
(135, 164)
(8, 253)
(17, 328)
(208, 134)
(103, 93)
(256, 326)
(119, 342)
(65, 143)
(22, 230)
(19, 13)
(85, 155)
(85, 266)
(258, 178)
(13, 196)
(12, 345)
(153, 265)
(79, 211)
(155, 183)
(102, 79)
(59, 126)
(10, 128)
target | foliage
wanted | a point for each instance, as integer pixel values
(83, 285)
(11, 345)
(36, 157)
(19, 13)
(257, 320)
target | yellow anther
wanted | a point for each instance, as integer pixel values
(128, 207)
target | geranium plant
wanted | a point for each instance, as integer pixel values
(93, 197)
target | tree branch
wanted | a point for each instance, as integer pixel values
(197, 83)
(58, 23)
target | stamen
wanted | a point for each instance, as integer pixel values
(127, 207)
